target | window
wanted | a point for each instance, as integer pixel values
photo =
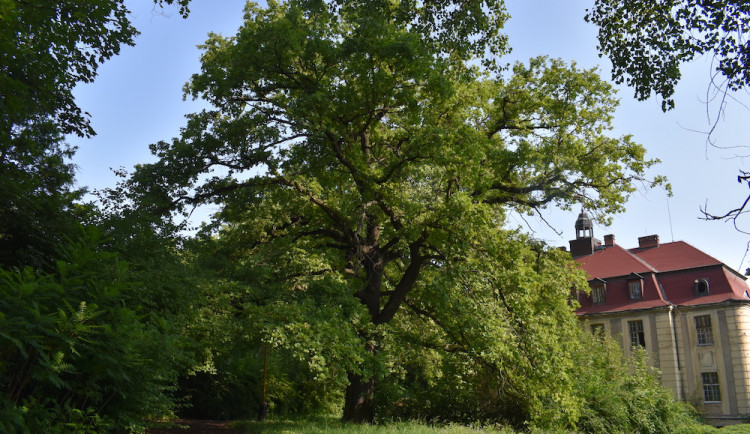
(701, 287)
(597, 330)
(636, 291)
(703, 330)
(711, 391)
(597, 294)
(637, 336)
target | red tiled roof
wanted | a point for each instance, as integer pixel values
(612, 261)
(617, 296)
(723, 285)
(608, 308)
(678, 255)
(669, 273)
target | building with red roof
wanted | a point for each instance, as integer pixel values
(689, 311)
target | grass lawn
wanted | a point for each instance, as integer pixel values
(331, 424)
(735, 429)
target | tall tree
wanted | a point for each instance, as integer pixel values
(359, 146)
(76, 326)
(45, 50)
(36, 195)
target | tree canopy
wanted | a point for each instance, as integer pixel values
(359, 151)
(78, 324)
(365, 155)
(45, 50)
(648, 41)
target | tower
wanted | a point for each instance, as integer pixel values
(584, 227)
(585, 243)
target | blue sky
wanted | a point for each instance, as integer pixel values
(137, 100)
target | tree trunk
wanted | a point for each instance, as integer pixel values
(359, 402)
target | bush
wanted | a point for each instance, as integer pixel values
(611, 393)
(76, 351)
(623, 394)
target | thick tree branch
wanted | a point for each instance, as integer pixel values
(408, 279)
(461, 342)
(333, 215)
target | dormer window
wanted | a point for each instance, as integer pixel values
(597, 294)
(701, 287)
(636, 290)
(635, 286)
(598, 291)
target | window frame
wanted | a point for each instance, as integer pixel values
(635, 283)
(699, 284)
(704, 335)
(637, 334)
(711, 387)
(598, 289)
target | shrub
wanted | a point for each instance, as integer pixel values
(623, 393)
(75, 352)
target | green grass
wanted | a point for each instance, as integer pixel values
(331, 424)
(735, 429)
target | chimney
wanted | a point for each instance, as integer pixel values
(648, 241)
(609, 240)
(582, 246)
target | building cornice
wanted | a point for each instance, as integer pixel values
(666, 308)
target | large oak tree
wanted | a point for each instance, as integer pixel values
(363, 151)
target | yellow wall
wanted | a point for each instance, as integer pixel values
(672, 346)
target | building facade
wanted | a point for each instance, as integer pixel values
(689, 311)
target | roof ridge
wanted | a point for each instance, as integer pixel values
(701, 251)
(639, 259)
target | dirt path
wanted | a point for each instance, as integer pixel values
(198, 427)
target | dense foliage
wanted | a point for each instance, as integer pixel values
(83, 348)
(624, 394)
(37, 210)
(88, 343)
(45, 50)
(365, 165)
(647, 41)
(611, 393)
(365, 155)
(497, 344)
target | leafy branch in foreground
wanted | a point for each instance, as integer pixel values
(648, 41)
